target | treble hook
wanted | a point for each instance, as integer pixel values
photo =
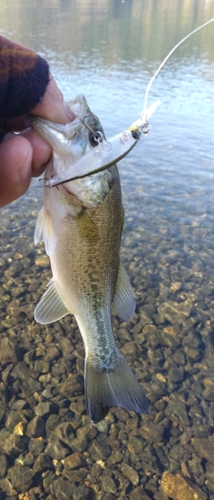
(97, 136)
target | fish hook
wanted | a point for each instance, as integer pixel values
(97, 136)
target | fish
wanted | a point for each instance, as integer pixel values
(81, 224)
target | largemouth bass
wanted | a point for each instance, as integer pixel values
(81, 225)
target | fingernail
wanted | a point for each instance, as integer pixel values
(68, 111)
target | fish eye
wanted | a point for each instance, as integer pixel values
(95, 138)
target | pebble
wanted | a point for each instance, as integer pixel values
(12, 444)
(7, 487)
(82, 493)
(62, 489)
(74, 461)
(56, 449)
(21, 477)
(36, 427)
(42, 463)
(76, 475)
(130, 473)
(42, 261)
(8, 351)
(139, 494)
(174, 312)
(177, 412)
(176, 487)
(45, 408)
(98, 451)
(3, 465)
(204, 448)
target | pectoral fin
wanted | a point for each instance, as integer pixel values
(44, 231)
(51, 307)
(124, 301)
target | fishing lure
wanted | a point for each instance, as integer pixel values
(108, 152)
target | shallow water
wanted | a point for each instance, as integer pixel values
(108, 50)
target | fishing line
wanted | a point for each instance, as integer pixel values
(143, 114)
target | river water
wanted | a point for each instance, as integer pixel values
(108, 50)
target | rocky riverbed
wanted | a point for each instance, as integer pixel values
(48, 447)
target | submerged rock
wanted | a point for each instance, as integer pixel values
(177, 488)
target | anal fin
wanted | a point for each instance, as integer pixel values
(50, 308)
(124, 301)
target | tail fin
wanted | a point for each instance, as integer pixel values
(112, 388)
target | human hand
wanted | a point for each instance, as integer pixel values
(25, 155)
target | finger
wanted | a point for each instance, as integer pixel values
(52, 106)
(15, 168)
(41, 151)
(15, 124)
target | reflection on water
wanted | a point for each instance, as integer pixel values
(109, 50)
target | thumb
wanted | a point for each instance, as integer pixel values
(52, 106)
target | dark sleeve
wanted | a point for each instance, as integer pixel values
(24, 77)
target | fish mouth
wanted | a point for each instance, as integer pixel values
(55, 133)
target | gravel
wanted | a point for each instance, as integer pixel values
(48, 447)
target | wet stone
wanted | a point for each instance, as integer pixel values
(41, 366)
(99, 451)
(83, 493)
(87, 431)
(177, 412)
(160, 496)
(36, 446)
(19, 429)
(52, 353)
(76, 475)
(42, 463)
(130, 473)
(208, 393)
(3, 465)
(151, 432)
(74, 461)
(129, 349)
(174, 312)
(36, 427)
(135, 444)
(14, 418)
(56, 449)
(62, 489)
(47, 481)
(168, 340)
(195, 466)
(204, 448)
(45, 407)
(178, 488)
(109, 484)
(139, 494)
(21, 477)
(8, 351)
(71, 386)
(51, 423)
(175, 375)
(42, 261)
(6, 486)
(12, 444)
(65, 433)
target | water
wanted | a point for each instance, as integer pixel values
(109, 51)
